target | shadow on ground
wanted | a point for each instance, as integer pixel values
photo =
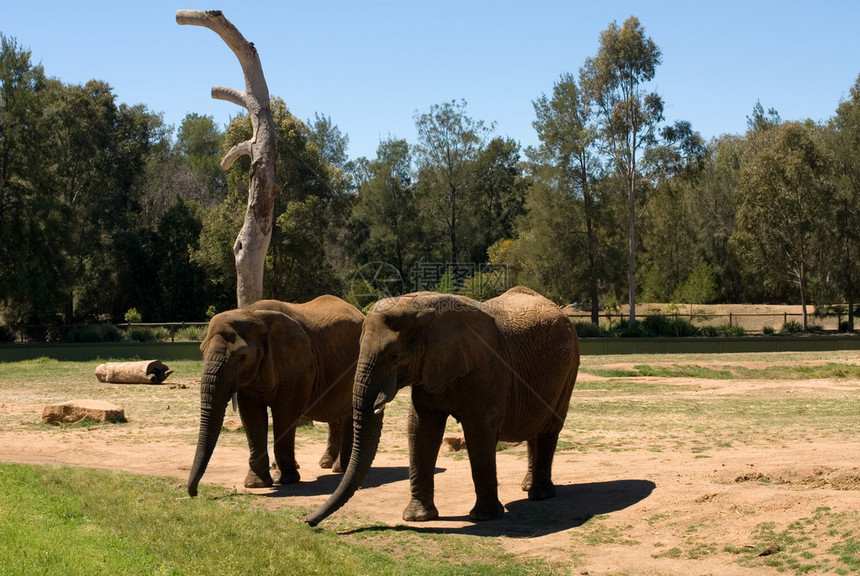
(326, 485)
(572, 506)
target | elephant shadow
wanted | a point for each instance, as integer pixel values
(572, 506)
(328, 483)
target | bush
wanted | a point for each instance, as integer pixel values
(191, 334)
(627, 330)
(95, 333)
(132, 316)
(722, 331)
(791, 327)
(768, 330)
(147, 334)
(660, 325)
(589, 330)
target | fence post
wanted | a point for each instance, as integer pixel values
(730, 320)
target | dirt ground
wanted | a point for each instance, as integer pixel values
(641, 500)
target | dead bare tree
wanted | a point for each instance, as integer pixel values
(252, 243)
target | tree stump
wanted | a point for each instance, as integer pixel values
(143, 372)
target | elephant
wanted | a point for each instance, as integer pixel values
(296, 359)
(504, 368)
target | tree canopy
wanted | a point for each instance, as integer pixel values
(103, 208)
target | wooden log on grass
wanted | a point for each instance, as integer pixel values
(142, 372)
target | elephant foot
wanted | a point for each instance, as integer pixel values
(489, 511)
(253, 480)
(418, 512)
(527, 482)
(327, 461)
(337, 468)
(541, 490)
(289, 477)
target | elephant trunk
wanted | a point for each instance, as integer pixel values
(367, 426)
(213, 404)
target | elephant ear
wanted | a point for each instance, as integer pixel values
(288, 349)
(460, 340)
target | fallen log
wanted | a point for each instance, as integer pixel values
(142, 372)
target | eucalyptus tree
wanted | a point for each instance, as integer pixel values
(495, 196)
(449, 142)
(668, 231)
(628, 115)
(713, 209)
(844, 143)
(199, 142)
(33, 223)
(385, 216)
(568, 156)
(784, 200)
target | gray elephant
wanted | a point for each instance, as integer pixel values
(504, 368)
(296, 359)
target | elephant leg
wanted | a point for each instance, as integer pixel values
(345, 448)
(332, 449)
(426, 428)
(284, 428)
(538, 479)
(255, 420)
(481, 444)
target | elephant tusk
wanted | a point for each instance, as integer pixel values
(381, 401)
(235, 400)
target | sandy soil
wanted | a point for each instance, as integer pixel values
(631, 510)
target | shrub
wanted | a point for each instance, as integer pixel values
(659, 325)
(133, 316)
(791, 327)
(147, 334)
(627, 330)
(768, 330)
(722, 330)
(191, 334)
(95, 333)
(589, 330)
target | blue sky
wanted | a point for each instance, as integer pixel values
(371, 65)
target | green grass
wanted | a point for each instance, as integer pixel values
(69, 521)
(823, 541)
(780, 372)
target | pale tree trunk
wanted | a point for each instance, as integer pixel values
(253, 240)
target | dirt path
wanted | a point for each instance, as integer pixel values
(636, 509)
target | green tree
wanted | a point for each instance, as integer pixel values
(200, 142)
(628, 114)
(449, 142)
(784, 199)
(844, 142)
(569, 162)
(385, 217)
(33, 222)
(675, 167)
(495, 196)
(103, 150)
(713, 209)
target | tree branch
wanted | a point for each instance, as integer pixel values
(230, 95)
(236, 152)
